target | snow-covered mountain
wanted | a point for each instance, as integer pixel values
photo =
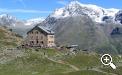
(118, 17)
(86, 25)
(11, 21)
(7, 20)
(17, 25)
(75, 8)
(34, 21)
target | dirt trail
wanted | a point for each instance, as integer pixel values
(65, 63)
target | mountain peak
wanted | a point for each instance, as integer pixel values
(4, 15)
(74, 2)
(7, 16)
(75, 8)
(77, 3)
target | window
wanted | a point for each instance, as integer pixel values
(37, 41)
(31, 42)
(50, 41)
(51, 36)
(42, 42)
(36, 32)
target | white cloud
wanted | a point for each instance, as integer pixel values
(62, 2)
(23, 11)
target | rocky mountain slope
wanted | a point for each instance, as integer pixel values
(82, 31)
(88, 26)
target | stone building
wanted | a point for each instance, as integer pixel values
(40, 37)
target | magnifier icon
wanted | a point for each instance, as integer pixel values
(106, 59)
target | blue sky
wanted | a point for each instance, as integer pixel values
(27, 9)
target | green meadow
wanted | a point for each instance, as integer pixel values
(54, 62)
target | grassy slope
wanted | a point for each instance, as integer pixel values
(118, 71)
(35, 63)
(83, 60)
(8, 38)
(84, 72)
